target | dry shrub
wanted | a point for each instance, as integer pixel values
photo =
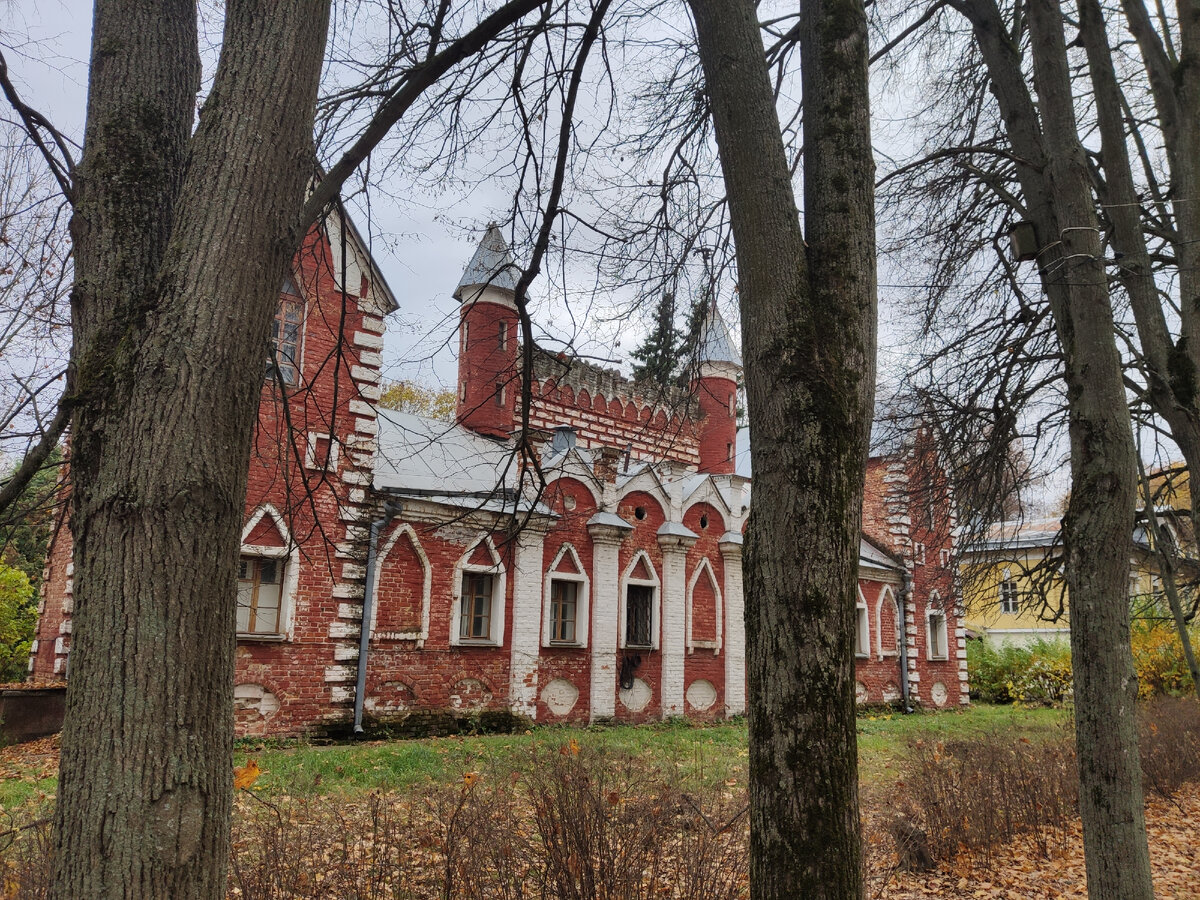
(609, 829)
(1170, 743)
(26, 861)
(979, 794)
(322, 849)
(576, 824)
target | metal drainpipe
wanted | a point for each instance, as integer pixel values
(390, 511)
(906, 587)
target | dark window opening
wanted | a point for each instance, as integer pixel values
(639, 606)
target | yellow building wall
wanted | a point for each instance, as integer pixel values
(1041, 598)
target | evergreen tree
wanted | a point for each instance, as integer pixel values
(693, 332)
(657, 355)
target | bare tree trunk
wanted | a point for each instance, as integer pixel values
(1097, 529)
(808, 329)
(181, 245)
(1098, 526)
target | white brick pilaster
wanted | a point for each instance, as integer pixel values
(602, 636)
(526, 622)
(735, 630)
(674, 622)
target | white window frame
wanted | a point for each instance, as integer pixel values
(301, 334)
(582, 599)
(933, 609)
(421, 636)
(919, 553)
(692, 644)
(945, 557)
(1014, 600)
(655, 601)
(887, 594)
(289, 555)
(310, 452)
(862, 628)
(495, 637)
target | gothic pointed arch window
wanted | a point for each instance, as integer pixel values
(286, 334)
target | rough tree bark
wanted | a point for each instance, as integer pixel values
(1098, 526)
(181, 242)
(808, 330)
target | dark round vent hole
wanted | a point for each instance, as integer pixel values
(704, 522)
(640, 512)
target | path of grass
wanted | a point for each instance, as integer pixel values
(704, 753)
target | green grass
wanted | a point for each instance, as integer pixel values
(884, 737)
(700, 753)
(26, 792)
(703, 753)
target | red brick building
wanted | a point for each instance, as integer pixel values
(600, 580)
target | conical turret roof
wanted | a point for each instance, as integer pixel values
(716, 343)
(491, 265)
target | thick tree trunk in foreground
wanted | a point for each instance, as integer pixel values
(808, 329)
(181, 244)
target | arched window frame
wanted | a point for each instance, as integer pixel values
(582, 598)
(499, 573)
(653, 582)
(692, 644)
(405, 530)
(289, 554)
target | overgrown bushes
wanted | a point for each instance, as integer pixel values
(578, 825)
(1158, 658)
(1170, 743)
(978, 795)
(1040, 673)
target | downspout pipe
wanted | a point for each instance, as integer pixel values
(390, 511)
(906, 589)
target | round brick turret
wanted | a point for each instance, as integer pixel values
(488, 381)
(715, 388)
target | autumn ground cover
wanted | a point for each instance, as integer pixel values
(559, 812)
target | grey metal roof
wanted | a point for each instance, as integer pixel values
(429, 456)
(492, 265)
(870, 555)
(676, 529)
(607, 518)
(1022, 535)
(716, 343)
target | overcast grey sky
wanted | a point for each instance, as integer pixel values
(421, 244)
